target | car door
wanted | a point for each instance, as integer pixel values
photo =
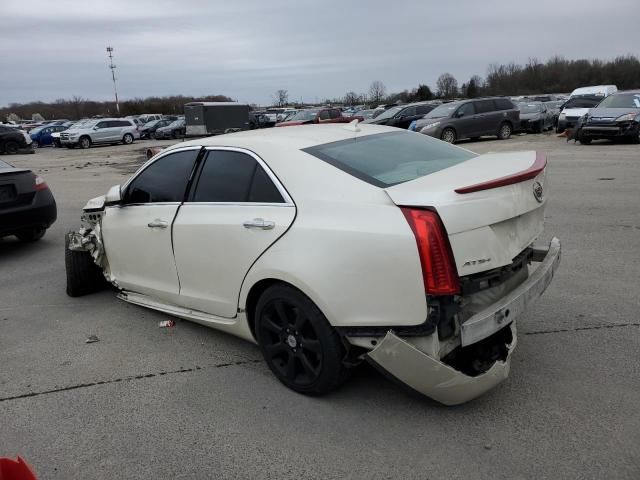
(488, 118)
(101, 132)
(465, 121)
(137, 231)
(407, 116)
(237, 209)
(324, 116)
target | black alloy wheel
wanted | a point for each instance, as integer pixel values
(300, 347)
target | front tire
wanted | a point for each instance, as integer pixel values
(505, 131)
(84, 142)
(83, 276)
(11, 147)
(585, 140)
(299, 345)
(127, 139)
(448, 135)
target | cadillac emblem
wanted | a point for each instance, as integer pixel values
(538, 192)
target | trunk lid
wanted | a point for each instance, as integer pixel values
(492, 206)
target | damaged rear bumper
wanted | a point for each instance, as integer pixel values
(445, 384)
(433, 378)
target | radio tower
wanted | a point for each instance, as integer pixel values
(113, 76)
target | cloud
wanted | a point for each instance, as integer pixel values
(247, 49)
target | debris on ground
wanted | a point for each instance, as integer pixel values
(167, 324)
(92, 339)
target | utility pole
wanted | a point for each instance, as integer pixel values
(113, 76)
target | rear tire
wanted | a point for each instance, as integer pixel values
(127, 139)
(505, 131)
(83, 276)
(31, 235)
(448, 135)
(299, 345)
(35, 144)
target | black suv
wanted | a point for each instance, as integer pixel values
(402, 115)
(471, 119)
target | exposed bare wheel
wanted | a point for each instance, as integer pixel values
(448, 135)
(300, 347)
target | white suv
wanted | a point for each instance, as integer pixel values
(106, 130)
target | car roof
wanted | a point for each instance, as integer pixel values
(295, 137)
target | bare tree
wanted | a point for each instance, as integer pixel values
(447, 85)
(350, 98)
(281, 98)
(377, 91)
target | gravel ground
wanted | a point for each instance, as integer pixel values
(190, 402)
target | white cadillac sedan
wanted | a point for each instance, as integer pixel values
(329, 245)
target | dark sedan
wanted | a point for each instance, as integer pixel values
(176, 129)
(27, 206)
(149, 129)
(401, 116)
(14, 140)
(616, 117)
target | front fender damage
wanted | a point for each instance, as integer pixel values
(433, 378)
(89, 239)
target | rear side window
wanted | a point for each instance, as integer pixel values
(484, 106)
(387, 159)
(503, 104)
(335, 113)
(165, 180)
(234, 177)
(423, 109)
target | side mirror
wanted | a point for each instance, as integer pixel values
(460, 114)
(95, 128)
(113, 196)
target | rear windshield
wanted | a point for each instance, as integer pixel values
(387, 159)
(583, 102)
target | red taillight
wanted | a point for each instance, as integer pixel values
(40, 184)
(438, 268)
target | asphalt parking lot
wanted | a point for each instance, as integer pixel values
(190, 402)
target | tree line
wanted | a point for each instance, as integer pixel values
(556, 75)
(78, 107)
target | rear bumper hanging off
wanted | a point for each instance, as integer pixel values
(442, 382)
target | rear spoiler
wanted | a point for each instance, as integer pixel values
(533, 171)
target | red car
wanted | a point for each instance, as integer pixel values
(318, 115)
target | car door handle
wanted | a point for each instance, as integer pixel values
(158, 223)
(259, 223)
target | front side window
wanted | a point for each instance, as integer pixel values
(466, 110)
(165, 180)
(324, 115)
(387, 159)
(102, 124)
(335, 113)
(234, 177)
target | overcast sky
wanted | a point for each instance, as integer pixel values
(314, 49)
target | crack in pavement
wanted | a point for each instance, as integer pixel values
(125, 379)
(578, 329)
